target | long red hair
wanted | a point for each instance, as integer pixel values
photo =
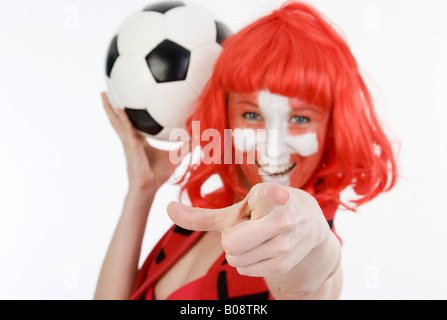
(294, 52)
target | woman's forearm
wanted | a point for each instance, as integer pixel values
(120, 264)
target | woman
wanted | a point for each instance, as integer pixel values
(268, 232)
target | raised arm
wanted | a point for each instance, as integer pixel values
(147, 169)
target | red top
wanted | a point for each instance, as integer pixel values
(221, 282)
(190, 291)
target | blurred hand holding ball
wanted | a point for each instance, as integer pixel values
(159, 61)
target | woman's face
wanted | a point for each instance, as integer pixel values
(276, 138)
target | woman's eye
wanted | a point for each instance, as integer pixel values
(299, 119)
(251, 116)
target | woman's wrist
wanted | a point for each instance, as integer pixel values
(146, 191)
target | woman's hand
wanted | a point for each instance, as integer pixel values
(268, 233)
(147, 167)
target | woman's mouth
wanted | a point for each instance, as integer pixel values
(275, 170)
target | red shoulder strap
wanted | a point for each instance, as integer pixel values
(165, 253)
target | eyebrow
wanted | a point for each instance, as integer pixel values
(307, 107)
(247, 102)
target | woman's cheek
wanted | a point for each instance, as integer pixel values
(304, 144)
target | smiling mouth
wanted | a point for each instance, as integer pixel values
(276, 170)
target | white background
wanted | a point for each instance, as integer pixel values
(62, 170)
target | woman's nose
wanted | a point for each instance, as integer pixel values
(275, 146)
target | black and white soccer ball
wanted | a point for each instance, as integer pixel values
(158, 62)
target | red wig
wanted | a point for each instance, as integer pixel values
(294, 52)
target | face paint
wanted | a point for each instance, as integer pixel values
(276, 112)
(285, 152)
(305, 144)
(244, 140)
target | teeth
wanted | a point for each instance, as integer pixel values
(276, 170)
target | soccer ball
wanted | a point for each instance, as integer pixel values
(158, 62)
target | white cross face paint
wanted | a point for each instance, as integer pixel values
(275, 144)
(244, 140)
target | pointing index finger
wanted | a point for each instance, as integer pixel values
(199, 219)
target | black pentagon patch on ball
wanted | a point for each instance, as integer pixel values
(168, 62)
(163, 7)
(222, 32)
(142, 120)
(112, 55)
